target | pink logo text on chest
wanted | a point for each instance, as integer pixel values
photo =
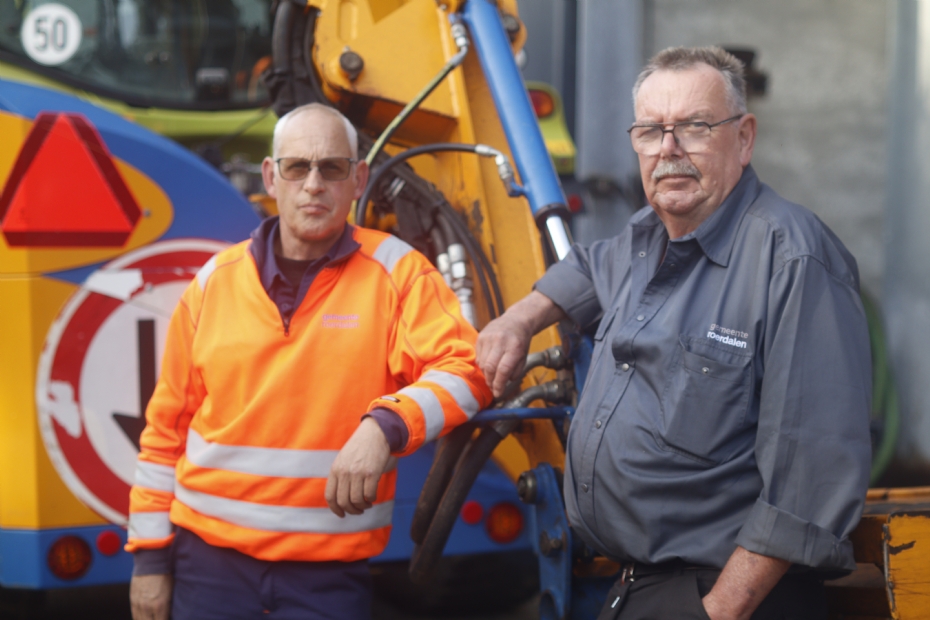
(340, 321)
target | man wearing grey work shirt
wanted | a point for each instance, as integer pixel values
(720, 448)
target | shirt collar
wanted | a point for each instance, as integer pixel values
(717, 234)
(262, 249)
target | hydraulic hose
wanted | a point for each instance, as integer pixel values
(479, 259)
(459, 34)
(292, 80)
(448, 451)
(361, 208)
(427, 553)
(489, 283)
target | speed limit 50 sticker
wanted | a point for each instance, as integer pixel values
(51, 34)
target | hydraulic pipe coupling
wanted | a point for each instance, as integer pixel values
(445, 267)
(527, 487)
(460, 35)
(461, 283)
(553, 357)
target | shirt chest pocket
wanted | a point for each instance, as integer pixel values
(705, 402)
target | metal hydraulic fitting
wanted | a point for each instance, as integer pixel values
(460, 35)
(444, 265)
(528, 487)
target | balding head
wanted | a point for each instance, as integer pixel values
(313, 146)
(317, 108)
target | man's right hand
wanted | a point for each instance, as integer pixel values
(150, 597)
(503, 344)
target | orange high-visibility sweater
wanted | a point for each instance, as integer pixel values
(247, 417)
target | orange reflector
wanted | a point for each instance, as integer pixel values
(472, 512)
(69, 557)
(504, 523)
(543, 104)
(108, 542)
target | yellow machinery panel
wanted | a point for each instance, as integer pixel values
(397, 65)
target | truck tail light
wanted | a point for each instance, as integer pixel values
(504, 523)
(69, 557)
(472, 512)
(542, 101)
(109, 542)
(575, 203)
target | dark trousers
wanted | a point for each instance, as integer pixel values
(676, 595)
(223, 584)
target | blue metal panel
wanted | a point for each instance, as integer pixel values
(513, 105)
(23, 556)
(552, 541)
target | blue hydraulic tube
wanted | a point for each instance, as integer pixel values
(525, 413)
(540, 181)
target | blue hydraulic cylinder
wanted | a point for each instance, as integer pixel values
(537, 173)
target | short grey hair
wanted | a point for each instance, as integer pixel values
(681, 58)
(351, 132)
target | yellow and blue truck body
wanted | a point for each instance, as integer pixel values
(104, 217)
(86, 195)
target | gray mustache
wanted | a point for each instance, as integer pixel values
(675, 168)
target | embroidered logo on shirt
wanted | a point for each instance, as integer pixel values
(728, 336)
(340, 321)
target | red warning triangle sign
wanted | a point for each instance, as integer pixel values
(64, 190)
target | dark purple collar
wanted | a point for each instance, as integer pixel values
(262, 250)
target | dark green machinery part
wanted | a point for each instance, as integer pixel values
(885, 415)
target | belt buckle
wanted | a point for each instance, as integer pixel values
(626, 575)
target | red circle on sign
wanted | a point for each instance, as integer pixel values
(90, 440)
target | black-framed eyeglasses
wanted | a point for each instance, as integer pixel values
(691, 136)
(331, 168)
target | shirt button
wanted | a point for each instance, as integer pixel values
(625, 367)
(584, 488)
(642, 255)
(597, 424)
(641, 317)
(671, 265)
(705, 370)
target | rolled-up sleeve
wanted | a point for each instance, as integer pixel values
(812, 447)
(570, 285)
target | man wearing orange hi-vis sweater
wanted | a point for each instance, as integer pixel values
(298, 364)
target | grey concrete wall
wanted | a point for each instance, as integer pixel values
(822, 124)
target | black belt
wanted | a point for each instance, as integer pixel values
(635, 570)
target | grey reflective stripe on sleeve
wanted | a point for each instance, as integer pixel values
(433, 416)
(278, 462)
(457, 388)
(155, 476)
(149, 525)
(288, 519)
(205, 272)
(390, 251)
